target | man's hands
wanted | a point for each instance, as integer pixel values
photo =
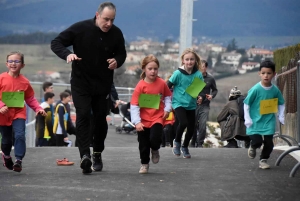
(199, 100)
(72, 57)
(112, 64)
(208, 97)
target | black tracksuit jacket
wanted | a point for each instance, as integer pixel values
(94, 46)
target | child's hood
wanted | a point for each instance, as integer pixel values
(181, 69)
(44, 105)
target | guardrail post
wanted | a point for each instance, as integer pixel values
(298, 100)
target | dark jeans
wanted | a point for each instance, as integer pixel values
(186, 119)
(202, 112)
(258, 140)
(60, 140)
(42, 142)
(84, 103)
(18, 125)
(148, 139)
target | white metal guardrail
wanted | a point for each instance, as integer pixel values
(123, 92)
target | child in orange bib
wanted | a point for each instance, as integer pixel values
(150, 106)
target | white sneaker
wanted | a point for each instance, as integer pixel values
(263, 164)
(144, 169)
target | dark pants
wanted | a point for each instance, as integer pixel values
(202, 112)
(186, 119)
(167, 131)
(242, 138)
(258, 140)
(148, 139)
(60, 140)
(42, 142)
(174, 129)
(84, 103)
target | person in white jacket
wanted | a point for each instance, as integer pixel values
(263, 101)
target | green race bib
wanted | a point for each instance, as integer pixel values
(149, 101)
(13, 99)
(195, 88)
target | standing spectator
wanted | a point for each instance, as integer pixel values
(99, 48)
(149, 119)
(48, 87)
(61, 119)
(231, 120)
(43, 124)
(182, 102)
(71, 129)
(202, 111)
(261, 123)
(13, 115)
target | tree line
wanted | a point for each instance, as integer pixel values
(32, 38)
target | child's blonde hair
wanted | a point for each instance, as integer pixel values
(145, 61)
(16, 53)
(198, 58)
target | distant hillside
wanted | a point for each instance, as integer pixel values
(243, 82)
(158, 18)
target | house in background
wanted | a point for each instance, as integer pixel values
(250, 65)
(263, 53)
(135, 56)
(231, 58)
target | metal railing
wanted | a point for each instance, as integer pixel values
(123, 92)
(289, 83)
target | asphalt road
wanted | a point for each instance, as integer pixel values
(218, 174)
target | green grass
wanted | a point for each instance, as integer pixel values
(37, 58)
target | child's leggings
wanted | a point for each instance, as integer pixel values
(267, 140)
(186, 119)
(148, 139)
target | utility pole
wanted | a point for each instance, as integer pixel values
(186, 25)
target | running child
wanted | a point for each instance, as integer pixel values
(150, 106)
(182, 102)
(13, 113)
(260, 122)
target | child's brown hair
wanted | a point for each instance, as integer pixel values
(16, 53)
(145, 61)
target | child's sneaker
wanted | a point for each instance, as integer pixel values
(251, 152)
(144, 169)
(7, 162)
(176, 148)
(17, 166)
(155, 156)
(185, 152)
(263, 164)
(64, 162)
